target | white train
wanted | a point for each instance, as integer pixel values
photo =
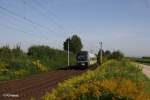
(85, 58)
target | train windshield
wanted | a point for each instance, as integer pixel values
(82, 56)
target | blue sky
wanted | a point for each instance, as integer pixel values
(120, 24)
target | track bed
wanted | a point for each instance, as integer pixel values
(36, 85)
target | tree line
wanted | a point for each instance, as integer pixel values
(75, 45)
(107, 55)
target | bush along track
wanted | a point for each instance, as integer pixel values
(114, 80)
(16, 64)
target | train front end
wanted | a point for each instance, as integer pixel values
(83, 58)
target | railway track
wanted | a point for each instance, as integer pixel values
(37, 85)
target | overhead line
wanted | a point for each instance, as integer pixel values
(49, 11)
(18, 19)
(16, 29)
(28, 20)
(15, 18)
(25, 3)
(43, 13)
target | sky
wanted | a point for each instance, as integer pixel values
(120, 24)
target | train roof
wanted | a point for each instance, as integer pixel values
(92, 55)
(86, 52)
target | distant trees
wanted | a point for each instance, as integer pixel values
(117, 55)
(146, 57)
(75, 44)
(109, 55)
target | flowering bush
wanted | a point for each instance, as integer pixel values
(38, 65)
(114, 80)
(3, 67)
(112, 89)
(20, 73)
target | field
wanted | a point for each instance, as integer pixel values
(143, 60)
(114, 80)
(16, 64)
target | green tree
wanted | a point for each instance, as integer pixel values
(66, 43)
(107, 54)
(75, 44)
(117, 55)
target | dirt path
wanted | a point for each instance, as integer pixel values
(146, 70)
(34, 86)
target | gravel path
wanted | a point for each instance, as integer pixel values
(146, 70)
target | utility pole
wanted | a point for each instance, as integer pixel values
(68, 53)
(101, 56)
